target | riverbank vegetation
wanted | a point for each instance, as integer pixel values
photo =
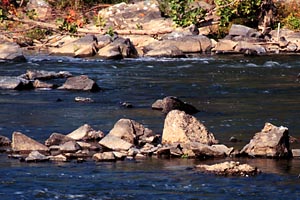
(16, 17)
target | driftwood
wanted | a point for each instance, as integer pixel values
(81, 31)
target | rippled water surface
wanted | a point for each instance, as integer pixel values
(236, 96)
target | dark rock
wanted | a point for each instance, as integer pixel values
(231, 168)
(173, 103)
(81, 82)
(15, 83)
(118, 49)
(45, 75)
(272, 142)
(57, 139)
(5, 144)
(183, 128)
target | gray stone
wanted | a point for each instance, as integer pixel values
(85, 132)
(36, 156)
(58, 158)
(69, 147)
(105, 156)
(15, 83)
(230, 168)
(81, 82)
(115, 143)
(241, 30)
(183, 128)
(57, 139)
(272, 141)
(11, 51)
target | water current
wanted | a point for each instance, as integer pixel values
(236, 95)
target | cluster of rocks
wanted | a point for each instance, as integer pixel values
(139, 30)
(183, 136)
(36, 79)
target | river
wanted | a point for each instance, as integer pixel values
(237, 95)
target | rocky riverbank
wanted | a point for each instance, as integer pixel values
(139, 30)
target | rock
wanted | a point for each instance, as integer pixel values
(225, 46)
(11, 51)
(69, 147)
(59, 158)
(105, 156)
(45, 75)
(131, 131)
(81, 82)
(119, 155)
(245, 47)
(118, 49)
(241, 30)
(4, 141)
(15, 83)
(85, 132)
(203, 151)
(231, 168)
(36, 156)
(180, 127)
(82, 47)
(173, 103)
(42, 85)
(57, 139)
(165, 51)
(272, 141)
(103, 40)
(296, 153)
(23, 143)
(115, 143)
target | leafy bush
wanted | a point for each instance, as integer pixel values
(289, 14)
(232, 9)
(182, 12)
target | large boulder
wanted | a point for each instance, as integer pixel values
(180, 127)
(271, 141)
(165, 51)
(247, 47)
(81, 82)
(229, 168)
(173, 103)
(118, 49)
(11, 51)
(15, 83)
(85, 132)
(22, 143)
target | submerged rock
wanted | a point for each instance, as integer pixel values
(229, 169)
(183, 128)
(272, 141)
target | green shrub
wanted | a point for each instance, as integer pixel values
(182, 12)
(292, 22)
(229, 10)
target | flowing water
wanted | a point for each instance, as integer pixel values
(236, 95)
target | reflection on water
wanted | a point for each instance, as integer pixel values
(236, 96)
